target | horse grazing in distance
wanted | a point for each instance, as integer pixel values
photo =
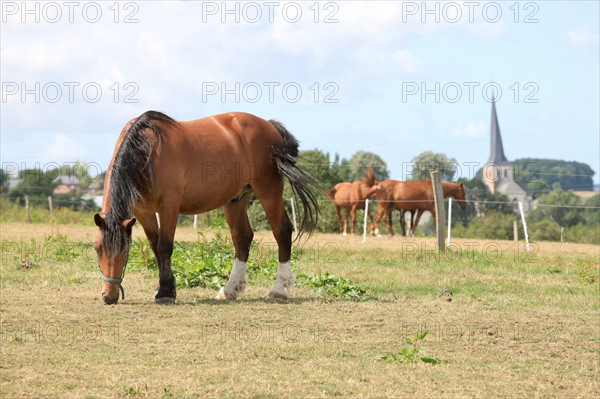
(162, 167)
(352, 197)
(412, 196)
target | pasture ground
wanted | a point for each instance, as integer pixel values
(503, 322)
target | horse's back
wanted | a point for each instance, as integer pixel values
(243, 124)
(219, 154)
(346, 194)
(413, 195)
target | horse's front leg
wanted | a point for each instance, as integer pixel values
(413, 226)
(388, 221)
(378, 217)
(372, 221)
(150, 226)
(168, 223)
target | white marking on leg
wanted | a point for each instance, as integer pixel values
(284, 282)
(157, 219)
(237, 281)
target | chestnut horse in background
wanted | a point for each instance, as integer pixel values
(351, 197)
(162, 167)
(411, 196)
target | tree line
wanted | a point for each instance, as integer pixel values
(488, 215)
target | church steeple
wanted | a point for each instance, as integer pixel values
(497, 156)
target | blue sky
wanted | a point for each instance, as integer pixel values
(369, 57)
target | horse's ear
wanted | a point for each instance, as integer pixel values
(128, 223)
(98, 220)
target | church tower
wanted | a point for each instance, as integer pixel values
(498, 172)
(497, 169)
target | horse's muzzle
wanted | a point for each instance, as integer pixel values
(110, 300)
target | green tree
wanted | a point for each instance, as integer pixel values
(363, 160)
(428, 160)
(481, 202)
(342, 168)
(317, 163)
(3, 180)
(494, 226)
(538, 187)
(592, 214)
(570, 175)
(33, 182)
(562, 207)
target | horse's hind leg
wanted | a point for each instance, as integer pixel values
(242, 235)
(345, 233)
(271, 199)
(339, 216)
(402, 221)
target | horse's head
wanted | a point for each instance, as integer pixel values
(377, 191)
(460, 195)
(112, 247)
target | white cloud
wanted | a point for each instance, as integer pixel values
(408, 63)
(63, 147)
(472, 130)
(583, 36)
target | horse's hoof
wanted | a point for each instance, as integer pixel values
(276, 297)
(165, 300)
(225, 296)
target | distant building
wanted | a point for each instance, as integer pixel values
(585, 195)
(94, 189)
(66, 184)
(498, 172)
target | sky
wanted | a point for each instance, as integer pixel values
(395, 78)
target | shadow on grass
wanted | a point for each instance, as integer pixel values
(254, 300)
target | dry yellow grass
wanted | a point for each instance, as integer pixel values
(515, 326)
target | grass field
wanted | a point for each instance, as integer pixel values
(502, 322)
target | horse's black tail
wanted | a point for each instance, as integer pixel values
(303, 185)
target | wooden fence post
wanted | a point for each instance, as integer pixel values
(50, 204)
(440, 212)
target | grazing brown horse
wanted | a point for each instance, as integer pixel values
(412, 196)
(351, 197)
(161, 168)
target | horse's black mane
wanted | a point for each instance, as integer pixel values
(131, 177)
